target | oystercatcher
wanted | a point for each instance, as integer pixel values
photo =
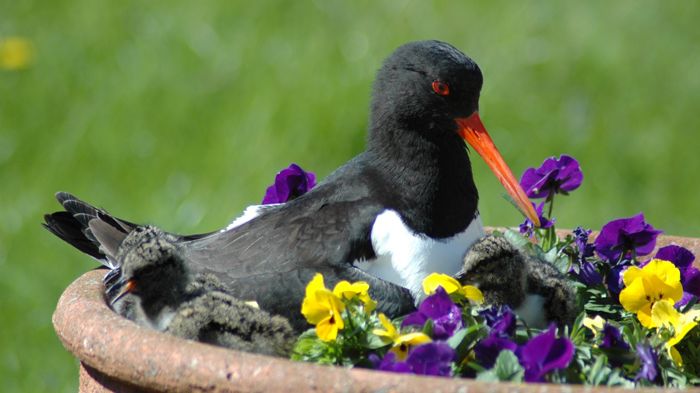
(403, 208)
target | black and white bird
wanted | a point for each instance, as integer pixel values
(400, 210)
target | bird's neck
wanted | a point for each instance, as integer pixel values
(434, 188)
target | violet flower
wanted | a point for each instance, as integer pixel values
(545, 353)
(614, 280)
(626, 236)
(290, 183)
(488, 349)
(612, 338)
(446, 315)
(585, 249)
(389, 363)
(614, 344)
(501, 320)
(690, 275)
(528, 227)
(584, 271)
(587, 273)
(649, 359)
(434, 358)
(554, 176)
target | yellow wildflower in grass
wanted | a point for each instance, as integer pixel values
(594, 324)
(664, 314)
(16, 53)
(658, 280)
(322, 308)
(451, 285)
(402, 343)
(345, 290)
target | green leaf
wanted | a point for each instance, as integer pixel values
(507, 368)
(374, 342)
(516, 239)
(457, 338)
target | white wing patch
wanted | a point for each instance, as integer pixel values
(249, 213)
(406, 258)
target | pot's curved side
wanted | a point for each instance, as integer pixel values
(113, 350)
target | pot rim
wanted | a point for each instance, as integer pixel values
(134, 355)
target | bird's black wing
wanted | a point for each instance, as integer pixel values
(272, 258)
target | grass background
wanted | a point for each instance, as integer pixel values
(180, 114)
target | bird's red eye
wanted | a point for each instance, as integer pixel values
(441, 88)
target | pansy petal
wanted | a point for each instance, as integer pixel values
(675, 356)
(347, 290)
(327, 329)
(644, 316)
(633, 297)
(664, 314)
(665, 270)
(680, 256)
(631, 274)
(473, 293)
(432, 359)
(434, 280)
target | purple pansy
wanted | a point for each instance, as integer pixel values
(446, 315)
(690, 275)
(389, 363)
(626, 235)
(434, 358)
(588, 274)
(614, 281)
(544, 353)
(612, 338)
(555, 175)
(649, 359)
(585, 249)
(501, 320)
(584, 271)
(289, 183)
(528, 227)
(614, 345)
(487, 350)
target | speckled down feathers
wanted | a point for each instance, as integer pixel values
(506, 276)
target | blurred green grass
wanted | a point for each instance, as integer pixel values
(180, 113)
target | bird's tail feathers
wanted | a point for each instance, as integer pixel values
(87, 228)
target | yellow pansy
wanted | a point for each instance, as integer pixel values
(345, 290)
(16, 53)
(658, 280)
(594, 324)
(451, 286)
(664, 314)
(322, 308)
(402, 343)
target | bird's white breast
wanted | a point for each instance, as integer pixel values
(406, 258)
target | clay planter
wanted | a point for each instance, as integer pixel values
(117, 355)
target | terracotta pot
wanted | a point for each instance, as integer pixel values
(117, 355)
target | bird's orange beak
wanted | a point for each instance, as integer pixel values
(472, 130)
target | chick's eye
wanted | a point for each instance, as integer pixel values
(441, 88)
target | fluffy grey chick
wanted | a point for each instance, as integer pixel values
(534, 289)
(213, 316)
(152, 287)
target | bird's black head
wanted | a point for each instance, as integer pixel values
(425, 103)
(425, 86)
